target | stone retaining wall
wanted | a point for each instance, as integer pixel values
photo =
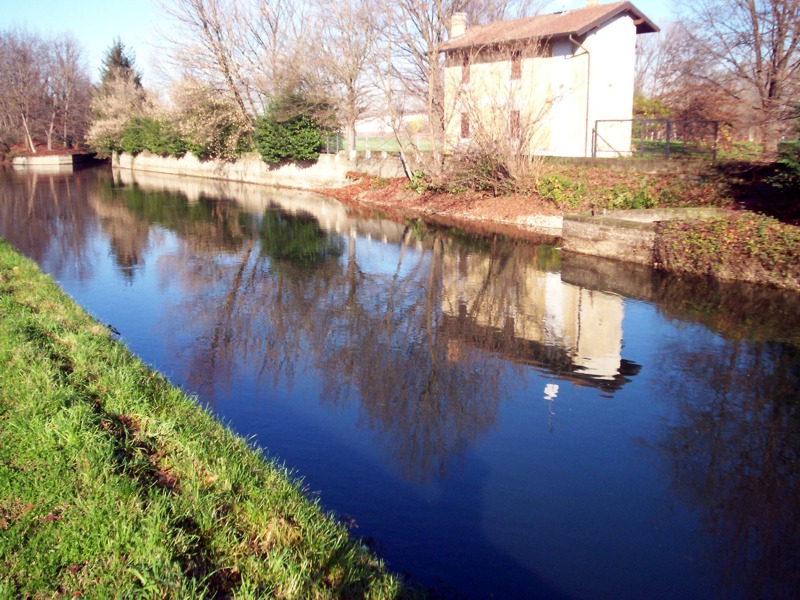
(329, 171)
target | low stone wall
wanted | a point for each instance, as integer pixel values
(627, 235)
(327, 172)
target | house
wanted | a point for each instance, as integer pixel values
(544, 82)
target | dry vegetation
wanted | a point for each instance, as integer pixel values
(557, 191)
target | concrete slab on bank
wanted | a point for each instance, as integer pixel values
(51, 163)
(627, 235)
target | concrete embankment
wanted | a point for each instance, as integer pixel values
(633, 236)
(52, 163)
(329, 171)
(627, 235)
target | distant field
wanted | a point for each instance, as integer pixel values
(376, 143)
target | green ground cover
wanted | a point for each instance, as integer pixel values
(115, 483)
(744, 246)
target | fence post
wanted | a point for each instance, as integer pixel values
(642, 134)
(669, 135)
(716, 140)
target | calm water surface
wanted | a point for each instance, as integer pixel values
(497, 419)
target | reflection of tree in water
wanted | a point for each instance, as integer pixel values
(129, 212)
(296, 238)
(48, 218)
(128, 235)
(428, 398)
(735, 454)
(364, 332)
(738, 311)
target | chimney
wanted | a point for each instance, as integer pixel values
(592, 3)
(458, 24)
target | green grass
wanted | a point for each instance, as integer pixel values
(741, 151)
(677, 149)
(115, 483)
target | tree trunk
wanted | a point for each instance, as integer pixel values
(28, 138)
(769, 138)
(350, 133)
(49, 133)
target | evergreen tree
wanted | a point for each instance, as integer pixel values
(118, 62)
(119, 98)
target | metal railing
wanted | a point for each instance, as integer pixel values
(335, 143)
(656, 138)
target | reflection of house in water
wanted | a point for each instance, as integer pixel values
(509, 306)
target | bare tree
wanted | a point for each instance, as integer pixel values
(45, 88)
(414, 30)
(654, 72)
(23, 75)
(207, 45)
(344, 52)
(68, 92)
(410, 69)
(251, 51)
(279, 46)
(749, 50)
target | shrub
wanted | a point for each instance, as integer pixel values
(148, 133)
(742, 246)
(135, 134)
(788, 175)
(289, 131)
(210, 124)
(561, 189)
(479, 171)
(625, 198)
(418, 182)
(229, 142)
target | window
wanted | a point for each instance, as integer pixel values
(515, 124)
(465, 68)
(516, 64)
(464, 125)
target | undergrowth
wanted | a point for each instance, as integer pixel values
(745, 246)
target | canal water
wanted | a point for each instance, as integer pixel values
(495, 418)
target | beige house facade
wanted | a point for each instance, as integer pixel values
(540, 84)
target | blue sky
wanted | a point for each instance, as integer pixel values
(95, 23)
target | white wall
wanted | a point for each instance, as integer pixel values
(613, 51)
(609, 66)
(568, 88)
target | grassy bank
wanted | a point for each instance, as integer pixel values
(114, 483)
